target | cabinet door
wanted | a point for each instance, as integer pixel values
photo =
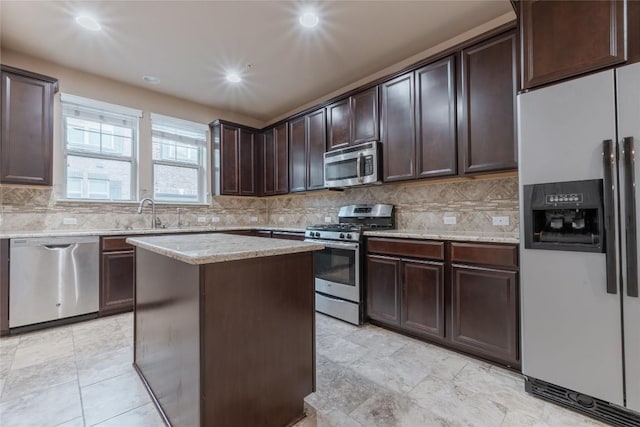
(281, 157)
(247, 163)
(422, 305)
(484, 312)
(398, 128)
(566, 38)
(297, 155)
(383, 299)
(436, 119)
(364, 116)
(316, 146)
(268, 164)
(339, 124)
(117, 281)
(488, 96)
(26, 136)
(230, 155)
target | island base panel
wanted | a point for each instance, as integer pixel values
(167, 335)
(258, 360)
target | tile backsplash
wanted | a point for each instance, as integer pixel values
(419, 206)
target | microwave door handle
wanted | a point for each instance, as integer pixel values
(609, 164)
(359, 166)
(630, 216)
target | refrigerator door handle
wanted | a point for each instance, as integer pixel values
(609, 163)
(630, 216)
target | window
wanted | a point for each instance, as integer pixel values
(100, 142)
(179, 159)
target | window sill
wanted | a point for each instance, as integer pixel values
(129, 202)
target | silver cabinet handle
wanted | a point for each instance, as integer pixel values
(54, 247)
(609, 164)
(630, 216)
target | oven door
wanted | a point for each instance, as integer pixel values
(337, 269)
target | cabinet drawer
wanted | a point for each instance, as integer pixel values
(116, 243)
(486, 254)
(408, 248)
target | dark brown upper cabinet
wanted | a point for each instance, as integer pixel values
(307, 141)
(26, 138)
(297, 155)
(275, 161)
(419, 123)
(353, 120)
(238, 158)
(561, 39)
(487, 96)
(436, 119)
(398, 128)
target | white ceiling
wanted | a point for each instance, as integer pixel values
(189, 45)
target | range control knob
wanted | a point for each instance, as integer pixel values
(342, 235)
(348, 236)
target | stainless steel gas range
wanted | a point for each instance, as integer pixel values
(339, 266)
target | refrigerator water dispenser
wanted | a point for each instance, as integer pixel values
(564, 216)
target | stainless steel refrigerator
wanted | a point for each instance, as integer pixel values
(579, 178)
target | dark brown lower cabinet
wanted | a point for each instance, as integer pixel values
(382, 289)
(466, 299)
(117, 275)
(422, 302)
(406, 293)
(484, 312)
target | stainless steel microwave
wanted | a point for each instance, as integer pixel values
(355, 165)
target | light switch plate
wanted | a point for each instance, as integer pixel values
(500, 220)
(215, 219)
(327, 219)
(449, 220)
(253, 219)
(69, 221)
(280, 219)
(202, 219)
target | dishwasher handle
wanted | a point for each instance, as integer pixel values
(54, 247)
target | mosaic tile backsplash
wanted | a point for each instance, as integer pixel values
(419, 206)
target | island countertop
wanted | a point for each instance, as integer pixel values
(211, 248)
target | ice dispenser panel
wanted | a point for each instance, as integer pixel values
(564, 216)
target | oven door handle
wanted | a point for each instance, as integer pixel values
(332, 244)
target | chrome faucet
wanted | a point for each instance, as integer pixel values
(154, 221)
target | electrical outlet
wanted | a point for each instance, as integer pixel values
(215, 219)
(202, 219)
(69, 221)
(280, 219)
(253, 219)
(327, 219)
(500, 220)
(449, 220)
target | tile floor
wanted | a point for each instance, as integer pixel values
(81, 375)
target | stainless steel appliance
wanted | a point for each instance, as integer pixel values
(52, 278)
(348, 167)
(338, 267)
(579, 263)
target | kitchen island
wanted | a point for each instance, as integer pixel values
(224, 328)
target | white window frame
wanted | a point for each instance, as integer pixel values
(200, 166)
(94, 107)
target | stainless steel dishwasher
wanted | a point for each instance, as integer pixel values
(52, 278)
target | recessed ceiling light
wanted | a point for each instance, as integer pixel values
(88, 23)
(233, 78)
(151, 80)
(309, 19)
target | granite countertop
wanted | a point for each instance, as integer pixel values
(218, 247)
(469, 236)
(139, 231)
